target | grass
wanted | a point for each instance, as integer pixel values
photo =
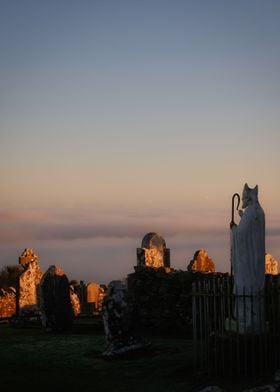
(32, 359)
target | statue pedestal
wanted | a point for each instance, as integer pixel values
(245, 328)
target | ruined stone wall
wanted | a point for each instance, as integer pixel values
(160, 301)
(7, 303)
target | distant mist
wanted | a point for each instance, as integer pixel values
(101, 246)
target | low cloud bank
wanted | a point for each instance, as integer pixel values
(100, 246)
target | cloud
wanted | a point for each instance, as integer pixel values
(100, 245)
(28, 225)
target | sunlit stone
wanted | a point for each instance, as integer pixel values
(271, 265)
(94, 296)
(29, 280)
(201, 262)
(153, 252)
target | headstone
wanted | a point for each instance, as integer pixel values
(55, 302)
(93, 297)
(75, 302)
(201, 262)
(82, 294)
(28, 283)
(117, 322)
(271, 265)
(248, 262)
(27, 256)
(153, 252)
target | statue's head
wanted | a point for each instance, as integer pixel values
(249, 195)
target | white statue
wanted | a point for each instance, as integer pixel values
(248, 260)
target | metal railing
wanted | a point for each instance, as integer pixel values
(236, 335)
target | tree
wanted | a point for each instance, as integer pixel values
(9, 275)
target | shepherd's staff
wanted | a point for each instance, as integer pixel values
(236, 195)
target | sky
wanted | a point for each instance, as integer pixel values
(121, 117)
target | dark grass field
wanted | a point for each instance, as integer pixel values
(33, 360)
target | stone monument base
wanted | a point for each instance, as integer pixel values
(242, 328)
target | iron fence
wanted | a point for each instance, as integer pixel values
(236, 335)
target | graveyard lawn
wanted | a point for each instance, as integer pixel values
(33, 360)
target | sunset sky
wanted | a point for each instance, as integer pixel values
(122, 117)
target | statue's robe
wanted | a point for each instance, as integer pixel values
(248, 262)
(248, 251)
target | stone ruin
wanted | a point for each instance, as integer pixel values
(28, 284)
(24, 298)
(201, 262)
(153, 252)
(117, 322)
(23, 301)
(7, 302)
(271, 265)
(159, 295)
(55, 303)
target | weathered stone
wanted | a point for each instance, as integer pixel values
(153, 252)
(94, 296)
(7, 303)
(75, 302)
(117, 322)
(28, 288)
(102, 292)
(55, 302)
(271, 265)
(201, 262)
(27, 256)
(161, 301)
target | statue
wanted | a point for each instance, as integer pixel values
(248, 260)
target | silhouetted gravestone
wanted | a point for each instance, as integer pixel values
(82, 294)
(117, 322)
(153, 252)
(55, 303)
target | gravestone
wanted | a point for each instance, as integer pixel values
(28, 283)
(93, 297)
(55, 302)
(153, 252)
(201, 262)
(82, 294)
(117, 322)
(27, 256)
(75, 302)
(271, 265)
